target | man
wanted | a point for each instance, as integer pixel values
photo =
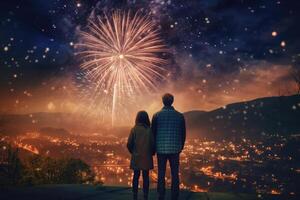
(168, 126)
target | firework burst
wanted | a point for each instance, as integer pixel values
(121, 55)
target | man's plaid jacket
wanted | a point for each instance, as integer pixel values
(168, 126)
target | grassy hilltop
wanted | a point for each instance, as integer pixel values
(87, 192)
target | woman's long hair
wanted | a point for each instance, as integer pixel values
(142, 118)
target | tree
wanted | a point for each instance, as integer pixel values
(46, 170)
(37, 169)
(33, 174)
(10, 166)
(76, 171)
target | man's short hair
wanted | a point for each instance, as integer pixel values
(168, 99)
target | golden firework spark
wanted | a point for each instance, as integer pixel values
(121, 54)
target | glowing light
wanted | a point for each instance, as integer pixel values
(28, 147)
(275, 192)
(51, 106)
(274, 33)
(282, 43)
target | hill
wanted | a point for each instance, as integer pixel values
(271, 115)
(87, 192)
(20, 123)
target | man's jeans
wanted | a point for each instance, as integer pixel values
(174, 165)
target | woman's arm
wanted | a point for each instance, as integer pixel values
(130, 141)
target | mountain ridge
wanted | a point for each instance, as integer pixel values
(268, 115)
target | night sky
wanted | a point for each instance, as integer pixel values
(223, 51)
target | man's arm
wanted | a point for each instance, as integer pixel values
(183, 132)
(154, 129)
(152, 143)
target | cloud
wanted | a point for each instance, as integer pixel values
(200, 87)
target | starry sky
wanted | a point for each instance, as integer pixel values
(223, 51)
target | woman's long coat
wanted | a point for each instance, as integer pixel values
(141, 146)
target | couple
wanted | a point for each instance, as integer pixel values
(165, 137)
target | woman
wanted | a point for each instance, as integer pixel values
(141, 146)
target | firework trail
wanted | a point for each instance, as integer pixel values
(121, 54)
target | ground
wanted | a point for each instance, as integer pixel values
(87, 192)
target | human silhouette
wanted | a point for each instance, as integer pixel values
(168, 127)
(141, 146)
